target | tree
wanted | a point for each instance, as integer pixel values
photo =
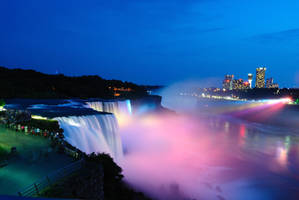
(111, 170)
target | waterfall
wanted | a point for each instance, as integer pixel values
(93, 133)
(116, 107)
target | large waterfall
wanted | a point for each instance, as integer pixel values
(97, 133)
(93, 133)
(116, 107)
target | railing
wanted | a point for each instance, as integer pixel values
(37, 187)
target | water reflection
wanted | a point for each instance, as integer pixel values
(212, 156)
(273, 149)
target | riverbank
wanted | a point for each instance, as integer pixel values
(33, 159)
(53, 146)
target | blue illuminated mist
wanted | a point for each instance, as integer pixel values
(151, 41)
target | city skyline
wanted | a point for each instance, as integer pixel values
(261, 80)
(151, 42)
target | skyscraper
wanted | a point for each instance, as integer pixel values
(250, 77)
(269, 82)
(260, 77)
(228, 82)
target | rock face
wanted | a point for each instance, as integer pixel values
(153, 100)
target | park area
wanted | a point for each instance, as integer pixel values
(25, 159)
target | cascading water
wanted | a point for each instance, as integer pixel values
(93, 133)
(116, 107)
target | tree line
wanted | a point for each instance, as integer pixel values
(19, 83)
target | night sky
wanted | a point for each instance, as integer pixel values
(152, 41)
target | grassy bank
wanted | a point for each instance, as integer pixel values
(4, 152)
(34, 159)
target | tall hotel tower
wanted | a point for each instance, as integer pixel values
(260, 77)
(250, 76)
(228, 82)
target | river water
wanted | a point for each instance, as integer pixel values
(265, 156)
(211, 156)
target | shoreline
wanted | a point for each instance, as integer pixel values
(61, 145)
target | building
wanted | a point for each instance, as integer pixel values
(240, 84)
(274, 85)
(246, 85)
(269, 82)
(235, 84)
(260, 77)
(250, 77)
(228, 82)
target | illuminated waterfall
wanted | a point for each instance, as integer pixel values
(93, 133)
(116, 107)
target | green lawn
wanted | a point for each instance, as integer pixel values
(34, 160)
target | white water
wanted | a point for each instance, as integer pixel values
(115, 107)
(97, 133)
(93, 133)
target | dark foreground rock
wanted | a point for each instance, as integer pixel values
(99, 178)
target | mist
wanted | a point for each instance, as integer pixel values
(174, 98)
(179, 156)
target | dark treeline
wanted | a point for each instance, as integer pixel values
(18, 83)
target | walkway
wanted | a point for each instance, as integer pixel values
(32, 163)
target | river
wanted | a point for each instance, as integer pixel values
(208, 155)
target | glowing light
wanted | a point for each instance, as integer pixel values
(38, 117)
(129, 106)
(274, 101)
(124, 112)
(121, 109)
(282, 156)
(242, 131)
(257, 109)
(226, 127)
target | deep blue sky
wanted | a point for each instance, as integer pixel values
(152, 41)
